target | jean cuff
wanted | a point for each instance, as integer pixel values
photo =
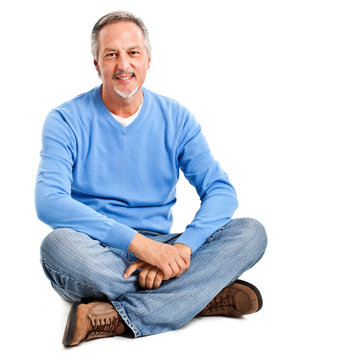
(118, 307)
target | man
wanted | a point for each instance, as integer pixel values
(106, 183)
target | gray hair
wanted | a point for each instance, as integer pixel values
(113, 17)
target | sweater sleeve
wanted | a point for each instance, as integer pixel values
(53, 201)
(217, 195)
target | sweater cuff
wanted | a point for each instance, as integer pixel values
(119, 236)
(192, 238)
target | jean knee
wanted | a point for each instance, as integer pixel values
(55, 245)
(254, 234)
(258, 235)
(50, 241)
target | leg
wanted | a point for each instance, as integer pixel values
(79, 267)
(228, 253)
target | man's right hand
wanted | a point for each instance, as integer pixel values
(165, 257)
(150, 277)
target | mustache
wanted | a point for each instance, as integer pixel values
(120, 73)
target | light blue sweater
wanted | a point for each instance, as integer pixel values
(105, 180)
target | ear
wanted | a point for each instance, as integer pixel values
(149, 61)
(97, 66)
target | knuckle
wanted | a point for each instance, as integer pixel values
(158, 276)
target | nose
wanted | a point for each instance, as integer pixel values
(123, 63)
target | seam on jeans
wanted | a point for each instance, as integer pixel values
(213, 234)
(124, 316)
(68, 277)
(83, 249)
(61, 292)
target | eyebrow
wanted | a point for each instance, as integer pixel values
(109, 49)
(135, 47)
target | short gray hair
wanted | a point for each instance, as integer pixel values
(113, 17)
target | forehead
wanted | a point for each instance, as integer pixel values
(121, 33)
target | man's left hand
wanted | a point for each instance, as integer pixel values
(150, 276)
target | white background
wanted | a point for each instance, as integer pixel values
(275, 85)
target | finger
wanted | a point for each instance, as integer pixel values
(186, 259)
(150, 278)
(133, 267)
(143, 275)
(158, 279)
(184, 255)
(182, 265)
(166, 270)
(175, 268)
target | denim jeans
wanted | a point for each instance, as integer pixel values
(80, 267)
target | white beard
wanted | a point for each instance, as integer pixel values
(126, 95)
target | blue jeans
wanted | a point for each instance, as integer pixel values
(80, 267)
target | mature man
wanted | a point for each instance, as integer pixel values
(106, 183)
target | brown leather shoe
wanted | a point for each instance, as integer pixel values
(235, 300)
(91, 321)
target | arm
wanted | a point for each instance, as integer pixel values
(53, 200)
(218, 201)
(56, 207)
(217, 195)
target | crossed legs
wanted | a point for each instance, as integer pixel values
(80, 267)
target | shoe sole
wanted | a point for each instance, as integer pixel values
(70, 325)
(255, 290)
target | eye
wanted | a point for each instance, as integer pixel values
(134, 52)
(112, 54)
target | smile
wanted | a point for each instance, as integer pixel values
(123, 77)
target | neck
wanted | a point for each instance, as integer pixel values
(120, 106)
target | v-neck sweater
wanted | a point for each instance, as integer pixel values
(127, 121)
(108, 181)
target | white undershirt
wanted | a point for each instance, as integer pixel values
(127, 121)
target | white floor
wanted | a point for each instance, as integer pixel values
(302, 318)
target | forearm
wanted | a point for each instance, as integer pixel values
(59, 210)
(217, 195)
(53, 192)
(215, 211)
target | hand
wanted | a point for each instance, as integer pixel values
(150, 276)
(170, 259)
(185, 252)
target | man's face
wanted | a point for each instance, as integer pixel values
(122, 59)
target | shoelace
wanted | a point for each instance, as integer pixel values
(218, 301)
(100, 327)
